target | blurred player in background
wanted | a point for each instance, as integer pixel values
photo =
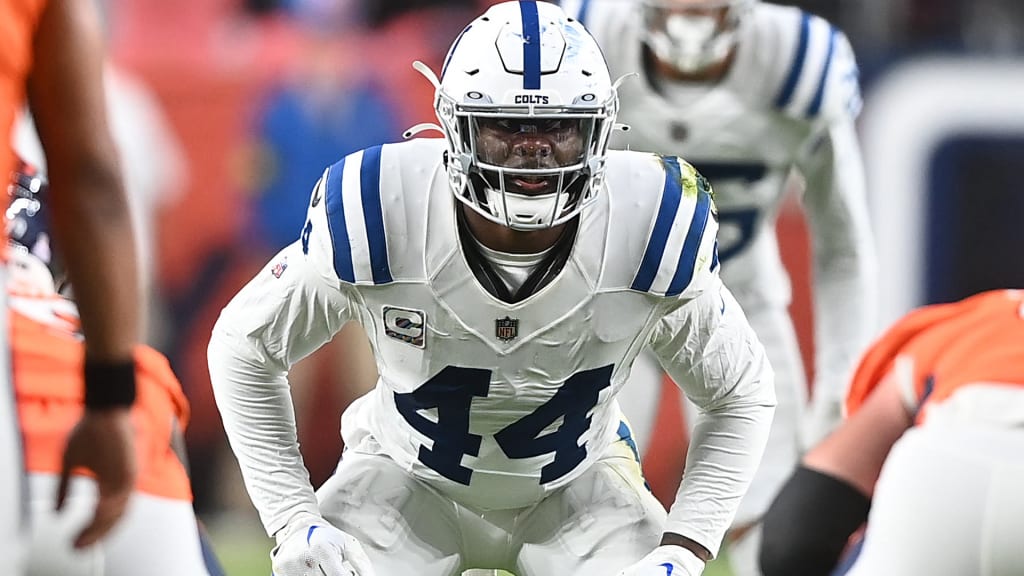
(51, 53)
(749, 92)
(933, 445)
(159, 534)
(507, 276)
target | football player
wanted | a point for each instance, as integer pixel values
(507, 275)
(749, 92)
(50, 56)
(159, 534)
(932, 445)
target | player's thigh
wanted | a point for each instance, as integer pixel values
(936, 503)
(404, 526)
(597, 525)
(157, 537)
(51, 552)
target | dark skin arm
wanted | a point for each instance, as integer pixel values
(93, 229)
(672, 539)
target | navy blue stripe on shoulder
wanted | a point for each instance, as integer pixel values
(336, 223)
(819, 94)
(373, 215)
(691, 245)
(795, 69)
(671, 196)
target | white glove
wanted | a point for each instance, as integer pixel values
(312, 547)
(667, 561)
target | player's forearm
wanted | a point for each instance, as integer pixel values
(96, 238)
(256, 407)
(725, 451)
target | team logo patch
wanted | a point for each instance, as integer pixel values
(280, 267)
(506, 329)
(406, 325)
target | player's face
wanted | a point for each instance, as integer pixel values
(665, 15)
(531, 143)
(716, 9)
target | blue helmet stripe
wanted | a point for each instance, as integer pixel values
(373, 215)
(691, 245)
(531, 44)
(820, 92)
(336, 224)
(798, 64)
(670, 198)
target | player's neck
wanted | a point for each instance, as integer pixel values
(711, 74)
(504, 239)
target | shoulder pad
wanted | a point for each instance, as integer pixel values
(681, 254)
(818, 75)
(359, 220)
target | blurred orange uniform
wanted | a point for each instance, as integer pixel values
(18, 20)
(48, 353)
(937, 350)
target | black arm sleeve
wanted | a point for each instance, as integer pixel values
(809, 523)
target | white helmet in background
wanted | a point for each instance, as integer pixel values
(691, 35)
(526, 105)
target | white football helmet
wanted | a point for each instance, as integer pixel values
(527, 106)
(692, 35)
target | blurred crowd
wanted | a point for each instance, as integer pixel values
(227, 112)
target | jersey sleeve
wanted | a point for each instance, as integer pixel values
(821, 80)
(709, 349)
(680, 260)
(291, 308)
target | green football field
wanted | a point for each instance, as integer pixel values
(244, 552)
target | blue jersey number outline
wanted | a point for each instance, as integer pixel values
(451, 392)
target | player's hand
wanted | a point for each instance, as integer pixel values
(315, 548)
(103, 442)
(667, 560)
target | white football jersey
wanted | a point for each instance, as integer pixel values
(788, 101)
(494, 404)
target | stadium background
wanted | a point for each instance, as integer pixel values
(250, 99)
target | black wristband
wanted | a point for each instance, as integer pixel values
(109, 384)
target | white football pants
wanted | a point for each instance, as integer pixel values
(949, 502)
(156, 537)
(598, 524)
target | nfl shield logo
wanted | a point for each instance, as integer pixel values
(506, 329)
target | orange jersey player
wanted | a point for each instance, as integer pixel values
(159, 530)
(933, 443)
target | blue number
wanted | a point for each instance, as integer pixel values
(743, 221)
(306, 231)
(451, 391)
(572, 403)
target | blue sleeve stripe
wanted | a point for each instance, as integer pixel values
(531, 44)
(797, 67)
(819, 94)
(670, 198)
(581, 17)
(691, 245)
(336, 224)
(373, 215)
